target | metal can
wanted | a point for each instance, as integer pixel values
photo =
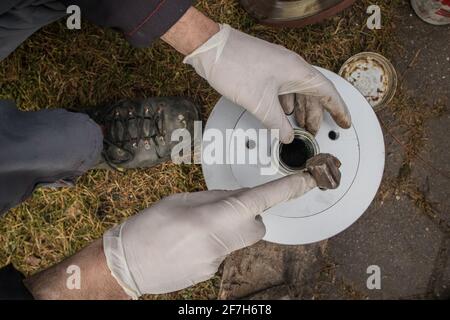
(435, 12)
(373, 75)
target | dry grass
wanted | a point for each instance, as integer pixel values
(77, 69)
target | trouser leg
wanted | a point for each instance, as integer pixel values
(25, 18)
(12, 286)
(43, 148)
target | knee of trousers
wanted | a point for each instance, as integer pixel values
(44, 147)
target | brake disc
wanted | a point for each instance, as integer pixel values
(317, 215)
(294, 13)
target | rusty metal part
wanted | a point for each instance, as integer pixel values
(373, 75)
(294, 13)
(325, 169)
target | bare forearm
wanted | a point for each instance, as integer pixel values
(96, 281)
(190, 32)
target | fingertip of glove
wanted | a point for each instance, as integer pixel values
(347, 121)
(343, 119)
(287, 138)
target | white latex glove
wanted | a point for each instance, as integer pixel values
(253, 74)
(183, 239)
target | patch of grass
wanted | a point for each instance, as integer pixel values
(408, 122)
(59, 68)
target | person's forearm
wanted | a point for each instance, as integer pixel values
(190, 32)
(96, 281)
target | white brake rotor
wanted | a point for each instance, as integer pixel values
(318, 214)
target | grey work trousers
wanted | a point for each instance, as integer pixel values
(25, 18)
(46, 147)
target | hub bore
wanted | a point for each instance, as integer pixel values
(292, 157)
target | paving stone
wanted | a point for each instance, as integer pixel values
(271, 271)
(399, 239)
(410, 246)
(433, 176)
(439, 283)
(423, 65)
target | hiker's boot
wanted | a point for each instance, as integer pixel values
(137, 134)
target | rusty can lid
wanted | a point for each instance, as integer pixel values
(373, 75)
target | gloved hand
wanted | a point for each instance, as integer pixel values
(253, 74)
(183, 239)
